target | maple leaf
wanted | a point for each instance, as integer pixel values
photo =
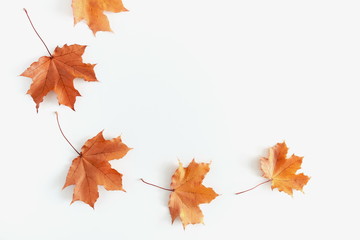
(92, 168)
(188, 193)
(282, 171)
(92, 12)
(57, 72)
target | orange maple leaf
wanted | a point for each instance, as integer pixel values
(188, 193)
(92, 12)
(92, 168)
(57, 72)
(282, 171)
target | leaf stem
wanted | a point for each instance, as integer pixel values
(57, 119)
(253, 187)
(37, 33)
(167, 189)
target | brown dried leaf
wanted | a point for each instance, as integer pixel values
(189, 193)
(92, 11)
(282, 171)
(92, 168)
(57, 73)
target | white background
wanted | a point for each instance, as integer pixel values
(218, 81)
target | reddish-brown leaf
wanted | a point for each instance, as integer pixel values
(188, 193)
(92, 168)
(282, 171)
(57, 73)
(92, 11)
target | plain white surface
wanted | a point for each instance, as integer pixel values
(217, 81)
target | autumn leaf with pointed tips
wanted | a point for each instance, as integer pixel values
(92, 11)
(57, 73)
(92, 168)
(188, 193)
(282, 171)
